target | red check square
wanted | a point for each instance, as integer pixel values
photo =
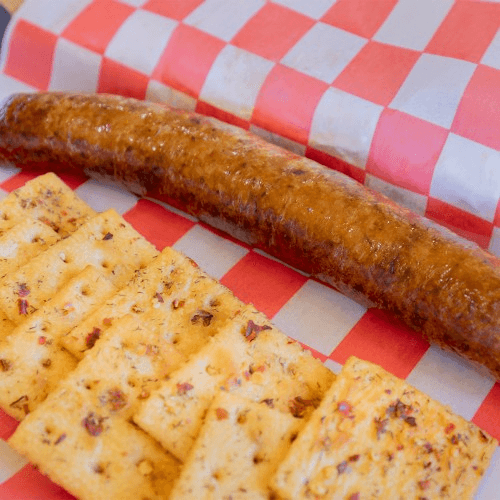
(467, 31)
(361, 17)
(488, 414)
(264, 282)
(187, 59)
(20, 179)
(115, 78)
(272, 32)
(27, 174)
(30, 484)
(7, 425)
(174, 9)
(461, 222)
(385, 67)
(396, 154)
(497, 215)
(477, 116)
(286, 103)
(157, 224)
(31, 54)
(97, 24)
(381, 339)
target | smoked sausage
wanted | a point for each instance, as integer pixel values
(305, 214)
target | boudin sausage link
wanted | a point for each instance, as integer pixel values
(307, 215)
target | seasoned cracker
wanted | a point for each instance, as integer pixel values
(107, 241)
(249, 357)
(83, 425)
(32, 361)
(124, 367)
(375, 436)
(92, 457)
(171, 295)
(239, 447)
(47, 199)
(25, 240)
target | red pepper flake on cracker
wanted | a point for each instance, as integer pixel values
(92, 337)
(449, 428)
(23, 306)
(221, 414)
(252, 330)
(23, 290)
(116, 399)
(342, 467)
(183, 388)
(93, 424)
(60, 439)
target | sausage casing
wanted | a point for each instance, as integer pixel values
(307, 215)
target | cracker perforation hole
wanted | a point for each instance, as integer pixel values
(64, 258)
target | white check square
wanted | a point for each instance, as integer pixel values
(52, 19)
(488, 487)
(412, 24)
(492, 55)
(221, 18)
(451, 380)
(467, 176)
(323, 52)
(102, 196)
(134, 3)
(7, 170)
(318, 316)
(433, 89)
(343, 126)
(214, 254)
(9, 85)
(141, 40)
(75, 68)
(11, 462)
(234, 81)
(315, 9)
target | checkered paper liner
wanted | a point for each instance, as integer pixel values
(402, 97)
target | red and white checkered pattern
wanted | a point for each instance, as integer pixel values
(401, 95)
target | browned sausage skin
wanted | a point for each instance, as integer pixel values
(309, 216)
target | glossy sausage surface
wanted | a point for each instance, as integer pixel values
(305, 214)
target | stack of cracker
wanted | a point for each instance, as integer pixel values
(135, 375)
